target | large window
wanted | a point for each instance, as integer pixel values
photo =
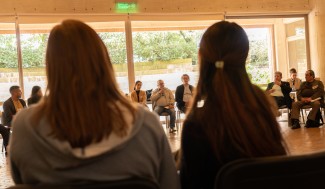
(166, 50)
(33, 47)
(113, 36)
(8, 59)
(259, 60)
(161, 50)
(297, 56)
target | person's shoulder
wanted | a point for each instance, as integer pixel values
(167, 89)
(179, 86)
(7, 101)
(147, 120)
(285, 82)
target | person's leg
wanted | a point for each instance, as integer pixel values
(312, 115)
(279, 101)
(295, 111)
(172, 115)
(5, 132)
(314, 108)
(158, 109)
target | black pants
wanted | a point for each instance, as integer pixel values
(5, 132)
(280, 101)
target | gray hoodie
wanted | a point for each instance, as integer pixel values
(37, 158)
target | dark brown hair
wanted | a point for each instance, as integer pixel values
(82, 102)
(293, 70)
(236, 114)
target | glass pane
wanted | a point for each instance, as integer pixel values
(113, 36)
(259, 60)
(296, 27)
(166, 51)
(165, 55)
(298, 57)
(33, 47)
(116, 46)
(295, 31)
(8, 59)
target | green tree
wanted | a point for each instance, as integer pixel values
(115, 43)
(8, 51)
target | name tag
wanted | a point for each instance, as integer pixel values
(315, 87)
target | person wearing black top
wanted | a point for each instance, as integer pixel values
(12, 105)
(184, 93)
(35, 96)
(229, 118)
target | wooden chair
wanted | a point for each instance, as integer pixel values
(280, 172)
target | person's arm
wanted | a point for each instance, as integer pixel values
(155, 95)
(8, 113)
(143, 100)
(285, 88)
(302, 86)
(178, 94)
(171, 97)
(269, 89)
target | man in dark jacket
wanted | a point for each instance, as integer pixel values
(311, 93)
(183, 93)
(12, 105)
(280, 90)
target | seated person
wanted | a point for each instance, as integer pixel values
(85, 130)
(163, 101)
(311, 92)
(293, 80)
(13, 105)
(280, 91)
(219, 127)
(35, 96)
(184, 93)
(139, 95)
(5, 133)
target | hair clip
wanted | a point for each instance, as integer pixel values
(219, 64)
(200, 103)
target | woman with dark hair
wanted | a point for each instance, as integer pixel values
(229, 118)
(35, 96)
(139, 95)
(85, 130)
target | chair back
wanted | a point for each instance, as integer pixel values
(134, 183)
(280, 172)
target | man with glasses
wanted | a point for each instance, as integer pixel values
(163, 101)
(311, 93)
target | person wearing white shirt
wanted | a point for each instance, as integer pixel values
(280, 90)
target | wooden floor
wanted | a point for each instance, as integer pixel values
(299, 141)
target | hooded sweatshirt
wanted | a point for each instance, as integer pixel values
(37, 158)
